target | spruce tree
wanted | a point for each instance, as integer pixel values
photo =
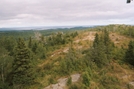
(102, 49)
(109, 45)
(34, 48)
(107, 40)
(86, 79)
(22, 68)
(130, 53)
(30, 42)
(97, 54)
(96, 41)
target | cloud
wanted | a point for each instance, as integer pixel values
(64, 12)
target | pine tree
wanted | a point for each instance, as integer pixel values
(22, 68)
(130, 53)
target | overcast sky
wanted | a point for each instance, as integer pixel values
(21, 13)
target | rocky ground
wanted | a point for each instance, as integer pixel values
(62, 82)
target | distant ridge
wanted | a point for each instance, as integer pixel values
(44, 27)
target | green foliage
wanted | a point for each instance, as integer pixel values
(40, 51)
(51, 80)
(69, 81)
(130, 53)
(34, 48)
(55, 39)
(5, 86)
(74, 86)
(59, 38)
(107, 40)
(63, 68)
(109, 82)
(89, 62)
(98, 55)
(102, 50)
(71, 62)
(22, 69)
(96, 41)
(86, 79)
(8, 43)
(30, 43)
(89, 71)
(126, 30)
(5, 68)
(119, 53)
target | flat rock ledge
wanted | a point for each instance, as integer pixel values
(62, 82)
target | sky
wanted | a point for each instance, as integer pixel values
(25, 13)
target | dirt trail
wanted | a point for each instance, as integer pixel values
(62, 82)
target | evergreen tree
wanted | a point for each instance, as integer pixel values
(96, 41)
(109, 45)
(86, 79)
(71, 61)
(41, 51)
(69, 81)
(30, 42)
(8, 43)
(98, 55)
(106, 38)
(102, 49)
(34, 48)
(130, 53)
(5, 68)
(22, 68)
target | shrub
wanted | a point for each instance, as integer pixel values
(74, 86)
(86, 79)
(69, 81)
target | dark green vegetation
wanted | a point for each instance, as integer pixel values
(36, 59)
(22, 67)
(28, 33)
(122, 29)
(130, 53)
